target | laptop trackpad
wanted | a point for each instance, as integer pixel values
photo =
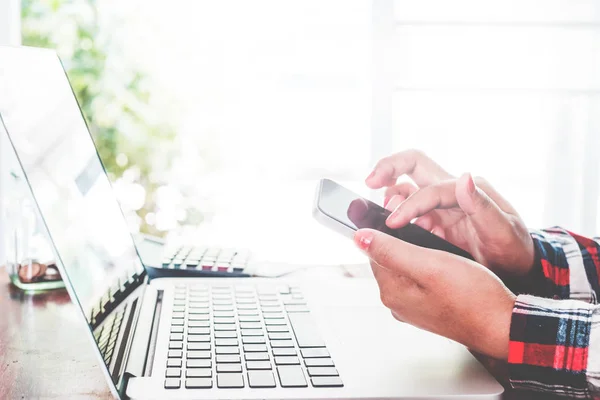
(374, 352)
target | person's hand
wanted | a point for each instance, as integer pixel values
(441, 292)
(468, 213)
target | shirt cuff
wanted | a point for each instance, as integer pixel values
(549, 343)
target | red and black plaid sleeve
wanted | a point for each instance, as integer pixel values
(555, 342)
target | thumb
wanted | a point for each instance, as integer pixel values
(394, 254)
(484, 213)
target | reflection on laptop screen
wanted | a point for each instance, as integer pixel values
(48, 132)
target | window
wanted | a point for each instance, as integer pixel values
(9, 35)
(508, 89)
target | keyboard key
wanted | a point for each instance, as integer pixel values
(314, 353)
(173, 373)
(178, 309)
(198, 354)
(247, 313)
(280, 336)
(223, 308)
(224, 327)
(269, 303)
(198, 364)
(253, 348)
(250, 325)
(226, 342)
(198, 311)
(254, 340)
(177, 329)
(261, 379)
(284, 352)
(227, 350)
(277, 344)
(230, 381)
(174, 363)
(273, 316)
(319, 362)
(223, 314)
(291, 376)
(198, 338)
(198, 383)
(327, 381)
(274, 322)
(257, 356)
(322, 371)
(252, 332)
(198, 324)
(175, 354)
(221, 368)
(277, 329)
(228, 359)
(178, 315)
(199, 317)
(224, 320)
(225, 334)
(287, 360)
(198, 373)
(175, 345)
(249, 318)
(258, 364)
(199, 331)
(198, 346)
(247, 307)
(305, 330)
(172, 383)
(177, 322)
(175, 337)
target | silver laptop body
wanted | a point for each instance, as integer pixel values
(204, 338)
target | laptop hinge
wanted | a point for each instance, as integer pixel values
(138, 349)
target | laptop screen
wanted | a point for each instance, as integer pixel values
(73, 193)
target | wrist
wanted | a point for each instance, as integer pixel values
(498, 331)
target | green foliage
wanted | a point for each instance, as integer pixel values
(114, 101)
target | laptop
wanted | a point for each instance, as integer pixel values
(204, 338)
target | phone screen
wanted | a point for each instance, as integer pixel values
(356, 212)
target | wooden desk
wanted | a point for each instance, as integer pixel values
(45, 353)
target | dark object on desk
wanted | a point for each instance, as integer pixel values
(191, 261)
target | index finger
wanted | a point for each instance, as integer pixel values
(420, 168)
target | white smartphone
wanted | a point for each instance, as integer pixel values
(345, 212)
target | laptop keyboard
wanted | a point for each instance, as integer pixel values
(215, 259)
(106, 335)
(238, 336)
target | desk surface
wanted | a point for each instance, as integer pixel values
(44, 352)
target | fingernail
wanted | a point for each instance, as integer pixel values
(363, 239)
(471, 184)
(372, 174)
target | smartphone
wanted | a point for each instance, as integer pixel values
(346, 212)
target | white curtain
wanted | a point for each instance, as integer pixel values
(10, 34)
(510, 90)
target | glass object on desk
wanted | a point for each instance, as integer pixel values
(29, 258)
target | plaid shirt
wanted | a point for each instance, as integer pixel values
(555, 335)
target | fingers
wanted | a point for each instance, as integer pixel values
(483, 212)
(440, 195)
(399, 257)
(420, 168)
(404, 189)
